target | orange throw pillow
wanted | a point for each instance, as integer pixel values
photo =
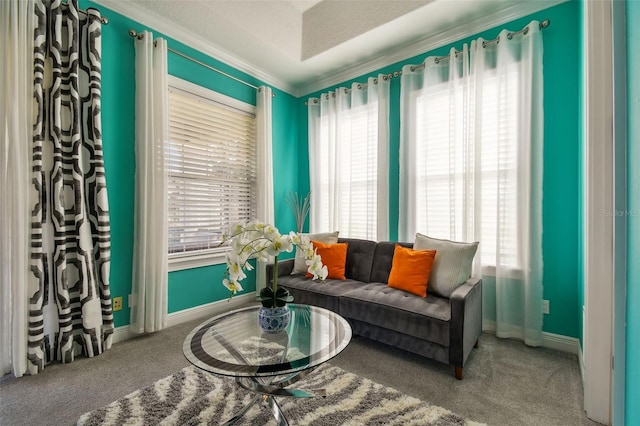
(410, 270)
(334, 256)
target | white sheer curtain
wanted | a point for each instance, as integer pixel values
(265, 208)
(511, 72)
(349, 160)
(150, 266)
(471, 168)
(434, 148)
(16, 93)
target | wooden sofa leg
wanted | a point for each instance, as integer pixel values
(458, 373)
(477, 344)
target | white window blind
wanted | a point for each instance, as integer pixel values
(326, 157)
(462, 182)
(499, 167)
(358, 173)
(440, 213)
(348, 160)
(354, 181)
(211, 162)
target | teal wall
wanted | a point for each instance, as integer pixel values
(632, 379)
(188, 288)
(562, 206)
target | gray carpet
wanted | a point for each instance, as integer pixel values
(505, 382)
(194, 397)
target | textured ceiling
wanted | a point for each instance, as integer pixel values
(330, 23)
(297, 29)
(300, 42)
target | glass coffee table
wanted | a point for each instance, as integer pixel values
(233, 344)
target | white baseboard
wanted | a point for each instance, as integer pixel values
(207, 310)
(122, 333)
(210, 309)
(561, 343)
(549, 340)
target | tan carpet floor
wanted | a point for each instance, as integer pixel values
(505, 383)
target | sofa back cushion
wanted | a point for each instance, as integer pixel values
(383, 259)
(411, 269)
(359, 258)
(452, 265)
(334, 257)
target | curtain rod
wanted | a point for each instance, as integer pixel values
(103, 19)
(359, 86)
(544, 24)
(139, 36)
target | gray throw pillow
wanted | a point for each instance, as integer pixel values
(299, 265)
(452, 264)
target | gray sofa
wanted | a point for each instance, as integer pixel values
(435, 327)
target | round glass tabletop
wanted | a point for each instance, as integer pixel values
(233, 344)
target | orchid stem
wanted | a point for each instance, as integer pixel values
(274, 284)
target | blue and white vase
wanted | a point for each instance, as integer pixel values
(274, 320)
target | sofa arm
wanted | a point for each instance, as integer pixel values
(284, 268)
(466, 320)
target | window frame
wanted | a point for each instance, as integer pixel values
(215, 256)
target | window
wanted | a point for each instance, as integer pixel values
(349, 177)
(467, 162)
(358, 173)
(211, 163)
(351, 172)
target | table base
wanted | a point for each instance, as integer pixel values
(266, 393)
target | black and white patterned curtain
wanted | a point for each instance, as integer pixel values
(70, 303)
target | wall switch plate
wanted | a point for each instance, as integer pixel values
(117, 303)
(545, 307)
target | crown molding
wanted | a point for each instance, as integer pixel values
(137, 13)
(509, 13)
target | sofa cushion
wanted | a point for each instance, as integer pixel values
(325, 294)
(378, 304)
(410, 270)
(359, 258)
(334, 257)
(383, 259)
(452, 265)
(299, 266)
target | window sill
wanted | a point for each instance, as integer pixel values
(183, 261)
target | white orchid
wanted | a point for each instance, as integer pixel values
(233, 287)
(317, 269)
(256, 240)
(312, 259)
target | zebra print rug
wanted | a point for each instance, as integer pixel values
(194, 397)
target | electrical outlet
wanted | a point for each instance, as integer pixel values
(545, 307)
(117, 303)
